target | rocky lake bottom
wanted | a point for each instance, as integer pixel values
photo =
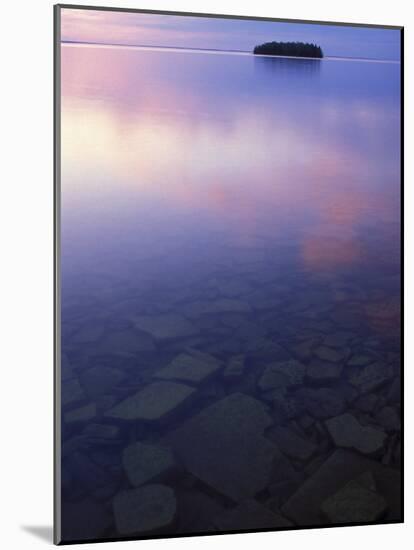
(240, 396)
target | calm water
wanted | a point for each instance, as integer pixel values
(249, 207)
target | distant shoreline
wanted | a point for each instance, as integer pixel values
(224, 52)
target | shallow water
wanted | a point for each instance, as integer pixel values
(246, 208)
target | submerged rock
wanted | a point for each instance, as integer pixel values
(304, 350)
(304, 506)
(354, 503)
(347, 432)
(152, 403)
(191, 366)
(235, 367)
(292, 444)
(144, 510)
(320, 402)
(166, 326)
(224, 446)
(143, 462)
(331, 354)
(372, 377)
(284, 406)
(282, 374)
(323, 371)
(269, 351)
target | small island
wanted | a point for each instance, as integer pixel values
(293, 49)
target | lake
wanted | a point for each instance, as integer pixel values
(230, 257)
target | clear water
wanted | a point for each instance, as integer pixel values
(257, 201)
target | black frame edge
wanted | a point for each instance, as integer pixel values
(57, 535)
(402, 263)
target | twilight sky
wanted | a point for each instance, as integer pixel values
(225, 34)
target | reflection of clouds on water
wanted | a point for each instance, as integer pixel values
(251, 144)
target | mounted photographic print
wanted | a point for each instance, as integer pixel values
(228, 282)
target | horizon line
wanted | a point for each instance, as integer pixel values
(226, 51)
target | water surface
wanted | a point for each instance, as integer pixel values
(255, 200)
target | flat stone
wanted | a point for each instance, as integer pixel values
(282, 374)
(320, 402)
(284, 406)
(143, 462)
(191, 366)
(330, 354)
(353, 504)
(323, 371)
(153, 402)
(82, 414)
(304, 506)
(347, 432)
(372, 377)
(166, 326)
(292, 444)
(144, 510)
(235, 367)
(224, 446)
(250, 515)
